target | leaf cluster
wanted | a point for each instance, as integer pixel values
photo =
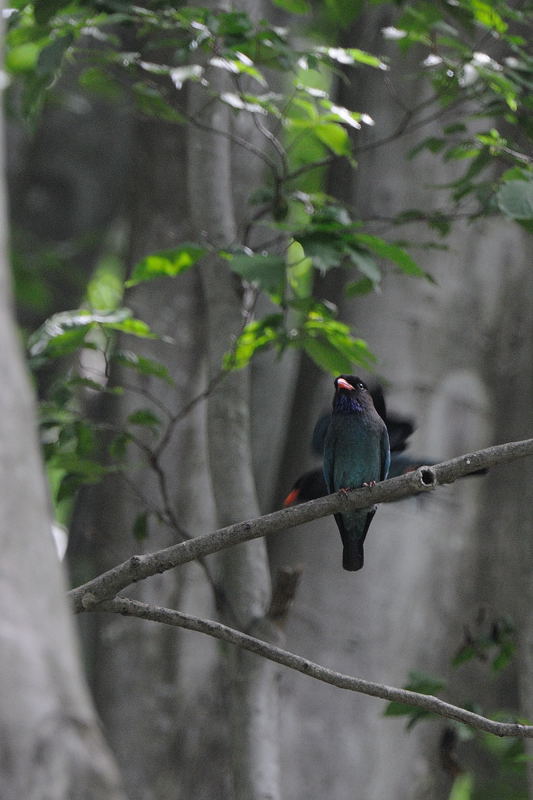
(475, 59)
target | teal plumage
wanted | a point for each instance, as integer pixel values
(356, 452)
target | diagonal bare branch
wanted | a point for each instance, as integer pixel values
(167, 616)
(136, 568)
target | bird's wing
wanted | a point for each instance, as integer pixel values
(329, 450)
(319, 434)
(385, 454)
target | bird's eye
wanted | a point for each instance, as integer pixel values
(361, 385)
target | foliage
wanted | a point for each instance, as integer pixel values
(475, 60)
(173, 46)
(490, 641)
(478, 76)
(79, 450)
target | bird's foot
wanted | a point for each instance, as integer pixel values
(369, 484)
(345, 490)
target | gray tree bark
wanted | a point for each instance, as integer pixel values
(246, 577)
(52, 747)
(454, 364)
(147, 683)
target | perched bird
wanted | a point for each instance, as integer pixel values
(312, 484)
(308, 486)
(356, 453)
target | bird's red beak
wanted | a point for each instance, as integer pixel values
(342, 384)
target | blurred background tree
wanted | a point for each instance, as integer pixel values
(195, 192)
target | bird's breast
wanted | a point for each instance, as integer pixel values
(356, 458)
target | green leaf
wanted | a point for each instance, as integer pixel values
(22, 58)
(268, 272)
(143, 365)
(326, 251)
(327, 356)
(242, 102)
(393, 253)
(167, 263)
(98, 81)
(150, 102)
(366, 265)
(51, 56)
(239, 66)
(466, 653)
(461, 151)
(85, 438)
(355, 349)
(334, 136)
(362, 57)
(363, 286)
(463, 787)
(515, 199)
(135, 327)
(424, 683)
(87, 383)
(516, 174)
(255, 336)
(50, 415)
(144, 417)
(79, 471)
(61, 344)
(454, 127)
(189, 72)
(140, 526)
(119, 445)
(65, 332)
(330, 343)
(352, 55)
(486, 14)
(294, 6)
(299, 270)
(106, 288)
(418, 682)
(68, 487)
(501, 659)
(43, 10)
(342, 12)
(432, 143)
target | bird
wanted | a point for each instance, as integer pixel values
(312, 484)
(356, 453)
(308, 486)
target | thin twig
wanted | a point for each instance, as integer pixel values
(404, 127)
(236, 139)
(434, 705)
(168, 518)
(139, 567)
(186, 409)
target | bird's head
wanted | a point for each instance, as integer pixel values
(351, 394)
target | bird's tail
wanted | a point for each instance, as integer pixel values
(353, 529)
(353, 555)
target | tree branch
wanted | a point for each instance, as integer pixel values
(139, 567)
(167, 616)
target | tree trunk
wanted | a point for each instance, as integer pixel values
(146, 679)
(246, 581)
(452, 361)
(51, 741)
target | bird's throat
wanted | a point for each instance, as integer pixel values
(346, 403)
